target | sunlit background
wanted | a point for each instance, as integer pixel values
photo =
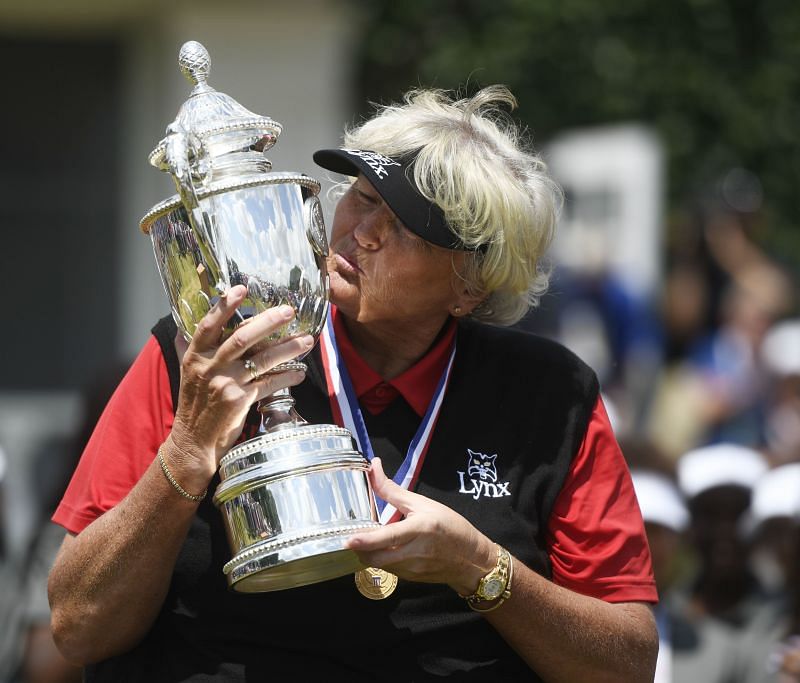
(674, 128)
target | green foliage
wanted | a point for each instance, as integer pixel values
(718, 79)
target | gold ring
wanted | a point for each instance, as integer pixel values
(251, 366)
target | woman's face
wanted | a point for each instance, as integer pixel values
(382, 272)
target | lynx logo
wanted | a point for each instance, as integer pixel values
(480, 478)
(377, 162)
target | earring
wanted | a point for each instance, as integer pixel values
(456, 310)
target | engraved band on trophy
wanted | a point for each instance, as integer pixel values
(292, 495)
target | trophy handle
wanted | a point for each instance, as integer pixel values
(184, 155)
(181, 149)
(315, 226)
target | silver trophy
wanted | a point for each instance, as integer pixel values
(291, 496)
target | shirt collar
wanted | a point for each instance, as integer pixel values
(416, 385)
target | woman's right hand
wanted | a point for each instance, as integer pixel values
(217, 389)
(131, 548)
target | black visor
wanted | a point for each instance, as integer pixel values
(394, 181)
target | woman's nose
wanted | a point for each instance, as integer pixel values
(370, 231)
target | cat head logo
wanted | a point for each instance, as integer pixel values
(481, 465)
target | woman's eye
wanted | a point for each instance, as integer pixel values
(411, 237)
(365, 198)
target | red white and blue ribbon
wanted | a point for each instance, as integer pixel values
(347, 413)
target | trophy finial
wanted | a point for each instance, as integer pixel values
(212, 125)
(195, 62)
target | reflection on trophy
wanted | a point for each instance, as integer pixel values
(291, 496)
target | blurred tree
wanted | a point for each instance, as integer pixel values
(718, 79)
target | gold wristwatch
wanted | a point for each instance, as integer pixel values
(495, 586)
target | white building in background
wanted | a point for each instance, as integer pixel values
(612, 220)
(287, 60)
(608, 250)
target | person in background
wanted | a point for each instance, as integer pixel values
(780, 356)
(665, 519)
(27, 651)
(11, 606)
(689, 649)
(35, 658)
(717, 482)
(718, 393)
(769, 650)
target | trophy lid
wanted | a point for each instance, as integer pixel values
(219, 122)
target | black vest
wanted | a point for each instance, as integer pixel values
(520, 398)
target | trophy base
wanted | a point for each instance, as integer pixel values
(294, 563)
(289, 500)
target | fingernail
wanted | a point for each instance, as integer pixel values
(307, 341)
(286, 312)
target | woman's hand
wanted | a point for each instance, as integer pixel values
(217, 388)
(433, 544)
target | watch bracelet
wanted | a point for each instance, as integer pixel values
(505, 595)
(503, 558)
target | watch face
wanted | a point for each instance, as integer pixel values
(493, 588)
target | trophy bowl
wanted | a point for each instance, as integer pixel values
(292, 495)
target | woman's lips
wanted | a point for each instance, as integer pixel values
(346, 264)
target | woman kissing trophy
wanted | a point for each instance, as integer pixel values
(292, 495)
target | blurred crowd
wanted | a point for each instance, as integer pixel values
(715, 454)
(702, 382)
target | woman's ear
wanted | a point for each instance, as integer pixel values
(464, 302)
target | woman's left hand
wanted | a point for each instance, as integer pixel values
(432, 544)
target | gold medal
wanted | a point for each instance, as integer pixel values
(375, 584)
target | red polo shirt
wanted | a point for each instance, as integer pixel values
(597, 544)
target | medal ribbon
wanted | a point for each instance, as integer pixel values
(347, 413)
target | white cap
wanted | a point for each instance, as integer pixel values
(777, 494)
(780, 350)
(724, 464)
(659, 500)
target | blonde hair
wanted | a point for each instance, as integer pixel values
(472, 162)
